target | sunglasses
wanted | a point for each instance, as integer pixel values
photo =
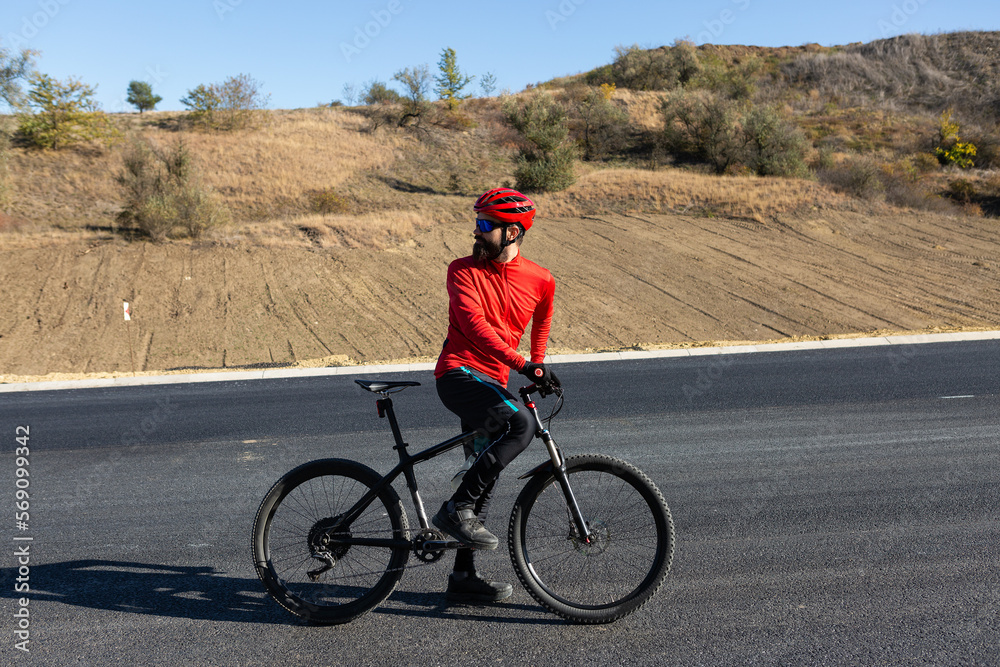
(487, 226)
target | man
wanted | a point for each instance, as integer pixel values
(493, 295)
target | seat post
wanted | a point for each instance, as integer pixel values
(385, 410)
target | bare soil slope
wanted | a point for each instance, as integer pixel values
(623, 281)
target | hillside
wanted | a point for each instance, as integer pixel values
(624, 281)
(341, 232)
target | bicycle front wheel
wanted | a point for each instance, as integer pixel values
(317, 579)
(627, 557)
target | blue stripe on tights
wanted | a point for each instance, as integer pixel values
(504, 398)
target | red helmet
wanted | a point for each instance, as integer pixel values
(507, 205)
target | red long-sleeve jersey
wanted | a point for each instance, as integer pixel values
(490, 305)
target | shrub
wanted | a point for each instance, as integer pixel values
(236, 103)
(376, 92)
(64, 113)
(327, 202)
(162, 193)
(602, 124)
(710, 127)
(774, 147)
(642, 69)
(962, 190)
(897, 184)
(960, 154)
(987, 148)
(6, 191)
(202, 101)
(685, 61)
(704, 126)
(925, 162)
(859, 177)
(537, 172)
(546, 162)
(651, 69)
(947, 131)
(735, 82)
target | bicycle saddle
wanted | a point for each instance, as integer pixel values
(381, 387)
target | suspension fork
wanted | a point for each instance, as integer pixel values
(558, 465)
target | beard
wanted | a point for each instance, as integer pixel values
(485, 250)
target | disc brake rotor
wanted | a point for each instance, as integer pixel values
(600, 538)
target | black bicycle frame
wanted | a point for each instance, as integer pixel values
(404, 467)
(408, 461)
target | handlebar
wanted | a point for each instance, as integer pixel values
(542, 391)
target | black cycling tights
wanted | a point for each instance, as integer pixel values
(504, 425)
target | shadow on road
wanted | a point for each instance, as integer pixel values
(146, 588)
(200, 592)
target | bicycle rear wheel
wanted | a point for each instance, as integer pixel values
(623, 565)
(289, 534)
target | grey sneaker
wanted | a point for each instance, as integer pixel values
(472, 588)
(463, 525)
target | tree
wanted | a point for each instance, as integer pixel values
(350, 94)
(416, 83)
(140, 95)
(202, 101)
(488, 83)
(64, 113)
(234, 104)
(14, 70)
(451, 81)
(546, 162)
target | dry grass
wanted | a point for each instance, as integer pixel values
(268, 172)
(931, 72)
(674, 190)
(260, 173)
(378, 230)
(643, 108)
(389, 184)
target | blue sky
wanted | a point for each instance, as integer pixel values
(303, 53)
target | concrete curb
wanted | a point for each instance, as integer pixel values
(627, 355)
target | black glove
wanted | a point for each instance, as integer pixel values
(537, 373)
(553, 386)
(543, 376)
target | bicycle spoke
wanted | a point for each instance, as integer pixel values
(298, 535)
(626, 557)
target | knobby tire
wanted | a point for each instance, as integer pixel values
(297, 511)
(623, 566)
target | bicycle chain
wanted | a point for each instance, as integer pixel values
(411, 533)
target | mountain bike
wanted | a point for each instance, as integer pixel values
(590, 536)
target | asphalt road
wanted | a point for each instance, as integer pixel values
(832, 507)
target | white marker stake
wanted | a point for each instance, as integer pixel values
(128, 332)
